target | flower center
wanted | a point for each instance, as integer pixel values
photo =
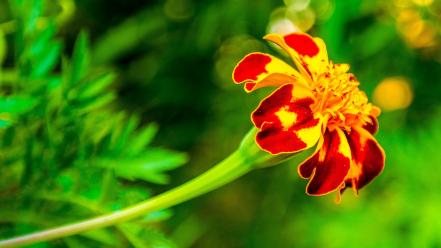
(339, 99)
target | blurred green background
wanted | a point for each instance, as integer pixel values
(84, 86)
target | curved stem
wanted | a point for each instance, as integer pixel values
(226, 171)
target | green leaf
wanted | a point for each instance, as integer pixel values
(158, 216)
(42, 41)
(3, 47)
(35, 8)
(96, 85)
(80, 58)
(142, 237)
(48, 61)
(149, 166)
(94, 103)
(131, 235)
(123, 137)
(128, 34)
(16, 104)
(127, 195)
(143, 138)
(104, 236)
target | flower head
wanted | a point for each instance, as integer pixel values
(319, 103)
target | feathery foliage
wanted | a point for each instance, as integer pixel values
(66, 152)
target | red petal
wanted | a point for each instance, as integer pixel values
(287, 122)
(303, 44)
(250, 86)
(371, 127)
(275, 140)
(368, 158)
(308, 53)
(265, 112)
(292, 99)
(259, 70)
(329, 165)
(250, 67)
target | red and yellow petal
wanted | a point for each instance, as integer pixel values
(259, 70)
(286, 121)
(368, 158)
(328, 167)
(308, 53)
(372, 125)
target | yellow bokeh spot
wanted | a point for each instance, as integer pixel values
(293, 18)
(5, 116)
(423, 2)
(393, 93)
(297, 4)
(402, 3)
(282, 26)
(178, 10)
(417, 32)
(287, 118)
(304, 19)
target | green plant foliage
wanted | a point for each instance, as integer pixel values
(67, 153)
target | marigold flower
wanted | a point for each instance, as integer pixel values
(319, 103)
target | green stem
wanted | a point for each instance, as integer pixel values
(226, 171)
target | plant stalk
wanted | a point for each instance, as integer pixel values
(226, 171)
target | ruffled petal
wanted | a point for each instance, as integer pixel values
(328, 167)
(372, 126)
(367, 158)
(308, 53)
(286, 121)
(259, 70)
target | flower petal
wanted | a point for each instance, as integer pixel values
(286, 121)
(372, 126)
(328, 166)
(308, 53)
(303, 44)
(259, 70)
(367, 158)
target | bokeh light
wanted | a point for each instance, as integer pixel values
(294, 16)
(178, 10)
(418, 24)
(393, 93)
